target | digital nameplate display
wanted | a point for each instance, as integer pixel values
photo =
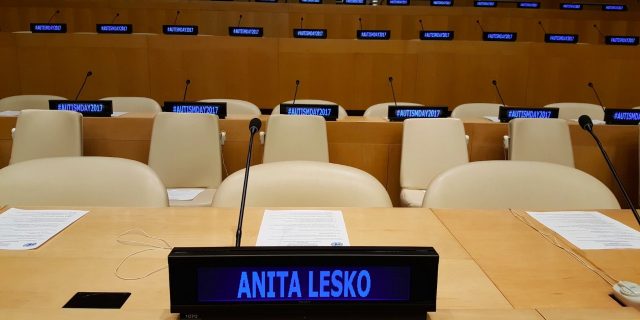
(98, 108)
(306, 281)
(328, 111)
(181, 30)
(310, 33)
(529, 5)
(114, 28)
(485, 4)
(354, 2)
(373, 34)
(436, 35)
(310, 1)
(621, 40)
(48, 27)
(614, 7)
(571, 6)
(560, 38)
(398, 2)
(441, 3)
(401, 113)
(500, 36)
(217, 108)
(256, 32)
(622, 116)
(507, 113)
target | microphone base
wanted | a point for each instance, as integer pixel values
(630, 299)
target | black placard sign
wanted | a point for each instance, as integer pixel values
(256, 32)
(217, 108)
(181, 30)
(114, 28)
(373, 34)
(441, 3)
(614, 7)
(48, 27)
(622, 116)
(560, 38)
(436, 35)
(401, 113)
(97, 108)
(621, 40)
(330, 112)
(485, 4)
(500, 36)
(399, 282)
(507, 113)
(398, 2)
(310, 33)
(571, 6)
(528, 5)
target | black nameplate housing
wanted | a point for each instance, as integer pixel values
(401, 113)
(621, 40)
(436, 35)
(500, 36)
(507, 113)
(355, 2)
(328, 111)
(571, 6)
(528, 5)
(305, 282)
(614, 7)
(48, 27)
(310, 1)
(442, 3)
(485, 4)
(310, 33)
(560, 38)
(217, 108)
(373, 34)
(88, 108)
(181, 30)
(398, 2)
(256, 32)
(114, 28)
(622, 116)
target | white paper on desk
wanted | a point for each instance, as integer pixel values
(118, 113)
(9, 113)
(302, 228)
(29, 229)
(184, 194)
(492, 118)
(589, 229)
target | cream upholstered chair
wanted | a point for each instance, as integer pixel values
(526, 185)
(46, 133)
(476, 110)
(429, 147)
(238, 108)
(185, 153)
(545, 140)
(573, 110)
(342, 113)
(134, 104)
(303, 184)
(296, 138)
(381, 110)
(81, 181)
(27, 101)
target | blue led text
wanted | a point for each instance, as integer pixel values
(325, 112)
(418, 113)
(48, 27)
(500, 36)
(195, 109)
(180, 29)
(81, 107)
(627, 116)
(540, 114)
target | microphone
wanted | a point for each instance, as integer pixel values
(479, 25)
(295, 93)
(542, 27)
(175, 20)
(115, 17)
(53, 15)
(254, 126)
(239, 20)
(393, 92)
(360, 22)
(89, 74)
(421, 26)
(301, 20)
(186, 87)
(599, 31)
(590, 84)
(495, 84)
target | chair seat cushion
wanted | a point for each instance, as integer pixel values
(412, 197)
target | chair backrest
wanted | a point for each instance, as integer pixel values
(292, 138)
(546, 140)
(430, 147)
(303, 184)
(342, 113)
(238, 108)
(530, 185)
(381, 110)
(476, 110)
(27, 101)
(185, 150)
(46, 133)
(134, 104)
(573, 110)
(81, 181)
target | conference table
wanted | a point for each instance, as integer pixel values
(492, 266)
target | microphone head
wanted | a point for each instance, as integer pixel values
(585, 122)
(390, 79)
(595, 26)
(590, 84)
(478, 21)
(89, 73)
(540, 22)
(177, 12)
(117, 14)
(57, 11)
(297, 82)
(360, 19)
(301, 19)
(240, 16)
(255, 124)
(420, 20)
(495, 83)
(188, 82)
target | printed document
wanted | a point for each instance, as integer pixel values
(590, 230)
(184, 194)
(29, 229)
(302, 228)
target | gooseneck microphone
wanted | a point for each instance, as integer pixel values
(479, 25)
(495, 84)
(53, 15)
(239, 20)
(586, 124)
(175, 20)
(89, 74)
(186, 87)
(542, 27)
(254, 126)
(595, 26)
(301, 20)
(360, 22)
(295, 93)
(393, 92)
(593, 88)
(115, 17)
(421, 26)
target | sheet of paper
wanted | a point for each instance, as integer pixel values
(492, 119)
(590, 230)
(9, 113)
(302, 228)
(29, 229)
(184, 194)
(118, 113)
